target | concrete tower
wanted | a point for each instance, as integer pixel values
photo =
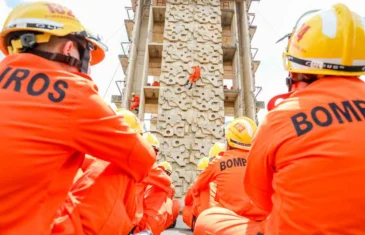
(167, 38)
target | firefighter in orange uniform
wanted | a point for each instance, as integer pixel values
(193, 77)
(172, 205)
(158, 178)
(156, 190)
(306, 165)
(227, 170)
(188, 216)
(135, 102)
(195, 205)
(101, 196)
(47, 124)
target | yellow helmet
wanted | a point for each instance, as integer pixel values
(166, 166)
(131, 119)
(152, 139)
(240, 132)
(203, 163)
(330, 42)
(216, 149)
(41, 20)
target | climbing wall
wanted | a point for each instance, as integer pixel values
(190, 121)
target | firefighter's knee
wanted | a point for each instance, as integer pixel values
(222, 221)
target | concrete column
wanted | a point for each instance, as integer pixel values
(132, 55)
(249, 99)
(145, 67)
(239, 105)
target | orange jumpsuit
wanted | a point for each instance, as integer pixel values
(151, 210)
(306, 163)
(101, 184)
(135, 102)
(195, 205)
(201, 201)
(47, 126)
(227, 170)
(222, 221)
(187, 213)
(196, 75)
(172, 207)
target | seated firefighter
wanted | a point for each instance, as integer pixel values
(148, 218)
(228, 171)
(52, 115)
(195, 205)
(306, 165)
(102, 198)
(156, 209)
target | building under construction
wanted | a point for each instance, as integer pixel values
(167, 38)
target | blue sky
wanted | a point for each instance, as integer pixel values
(13, 3)
(107, 18)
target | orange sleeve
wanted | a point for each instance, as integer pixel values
(259, 173)
(88, 160)
(189, 197)
(157, 177)
(97, 130)
(171, 192)
(204, 178)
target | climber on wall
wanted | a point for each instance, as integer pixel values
(101, 195)
(135, 102)
(195, 205)
(228, 171)
(193, 77)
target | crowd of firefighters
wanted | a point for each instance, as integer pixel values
(72, 165)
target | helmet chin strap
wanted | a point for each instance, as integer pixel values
(69, 60)
(28, 42)
(82, 65)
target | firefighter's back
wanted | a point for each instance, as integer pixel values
(318, 143)
(36, 165)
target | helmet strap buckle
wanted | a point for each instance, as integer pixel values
(289, 83)
(28, 40)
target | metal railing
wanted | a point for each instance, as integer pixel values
(258, 90)
(249, 2)
(251, 17)
(254, 52)
(126, 47)
(130, 13)
(119, 84)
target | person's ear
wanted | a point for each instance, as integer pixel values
(67, 48)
